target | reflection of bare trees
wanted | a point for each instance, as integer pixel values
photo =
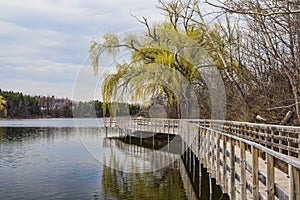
(176, 181)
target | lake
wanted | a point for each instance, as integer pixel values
(52, 159)
(72, 159)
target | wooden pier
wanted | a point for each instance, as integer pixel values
(248, 161)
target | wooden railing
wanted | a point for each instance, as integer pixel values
(169, 126)
(283, 139)
(247, 160)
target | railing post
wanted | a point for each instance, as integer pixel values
(186, 143)
(289, 144)
(201, 147)
(258, 130)
(225, 185)
(190, 146)
(298, 145)
(199, 143)
(243, 171)
(298, 136)
(212, 150)
(208, 145)
(272, 140)
(181, 132)
(218, 176)
(232, 169)
(204, 152)
(294, 185)
(280, 142)
(270, 178)
(255, 183)
(266, 134)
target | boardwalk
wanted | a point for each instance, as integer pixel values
(248, 161)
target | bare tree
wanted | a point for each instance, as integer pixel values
(272, 31)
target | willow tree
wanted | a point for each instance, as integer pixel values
(182, 58)
(220, 39)
(154, 69)
(2, 104)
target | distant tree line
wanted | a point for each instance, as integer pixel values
(18, 105)
(95, 109)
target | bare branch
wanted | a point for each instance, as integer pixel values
(282, 107)
(251, 12)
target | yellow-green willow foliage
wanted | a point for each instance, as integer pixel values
(162, 64)
(2, 104)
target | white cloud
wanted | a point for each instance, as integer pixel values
(44, 42)
(38, 77)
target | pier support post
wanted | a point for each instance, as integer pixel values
(200, 178)
(194, 167)
(153, 142)
(169, 142)
(210, 184)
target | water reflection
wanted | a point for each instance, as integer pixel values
(163, 184)
(194, 177)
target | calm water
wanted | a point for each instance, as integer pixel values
(51, 159)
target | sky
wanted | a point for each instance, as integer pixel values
(44, 44)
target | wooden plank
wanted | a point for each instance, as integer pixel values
(255, 182)
(232, 169)
(270, 177)
(294, 185)
(243, 180)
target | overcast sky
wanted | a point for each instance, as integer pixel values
(43, 43)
